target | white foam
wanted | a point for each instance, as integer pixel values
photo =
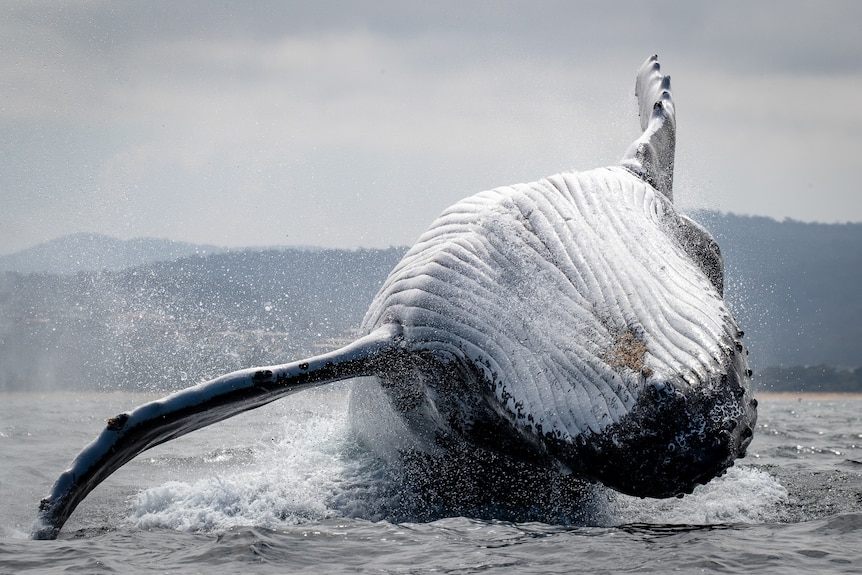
(316, 470)
(288, 480)
(742, 495)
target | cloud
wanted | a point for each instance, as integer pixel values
(191, 120)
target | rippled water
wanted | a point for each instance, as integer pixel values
(285, 489)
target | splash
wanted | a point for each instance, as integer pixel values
(316, 470)
(742, 495)
(313, 471)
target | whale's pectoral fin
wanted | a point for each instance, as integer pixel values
(651, 155)
(151, 424)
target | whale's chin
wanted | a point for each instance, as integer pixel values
(672, 441)
(677, 436)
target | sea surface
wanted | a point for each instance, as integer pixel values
(286, 489)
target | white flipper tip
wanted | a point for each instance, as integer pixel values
(651, 156)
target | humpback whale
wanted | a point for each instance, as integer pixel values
(572, 327)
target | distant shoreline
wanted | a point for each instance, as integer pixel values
(150, 395)
(807, 395)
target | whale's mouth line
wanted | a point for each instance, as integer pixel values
(678, 435)
(676, 438)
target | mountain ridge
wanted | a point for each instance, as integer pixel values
(792, 286)
(85, 251)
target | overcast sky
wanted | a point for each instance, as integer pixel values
(344, 124)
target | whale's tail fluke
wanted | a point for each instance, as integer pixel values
(154, 423)
(651, 155)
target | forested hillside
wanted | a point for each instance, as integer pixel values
(170, 324)
(794, 288)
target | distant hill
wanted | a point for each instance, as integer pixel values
(95, 252)
(794, 287)
(167, 325)
(170, 321)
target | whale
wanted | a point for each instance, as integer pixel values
(569, 329)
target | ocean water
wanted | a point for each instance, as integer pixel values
(286, 489)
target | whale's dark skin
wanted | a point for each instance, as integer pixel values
(565, 331)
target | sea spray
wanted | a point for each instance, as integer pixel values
(742, 495)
